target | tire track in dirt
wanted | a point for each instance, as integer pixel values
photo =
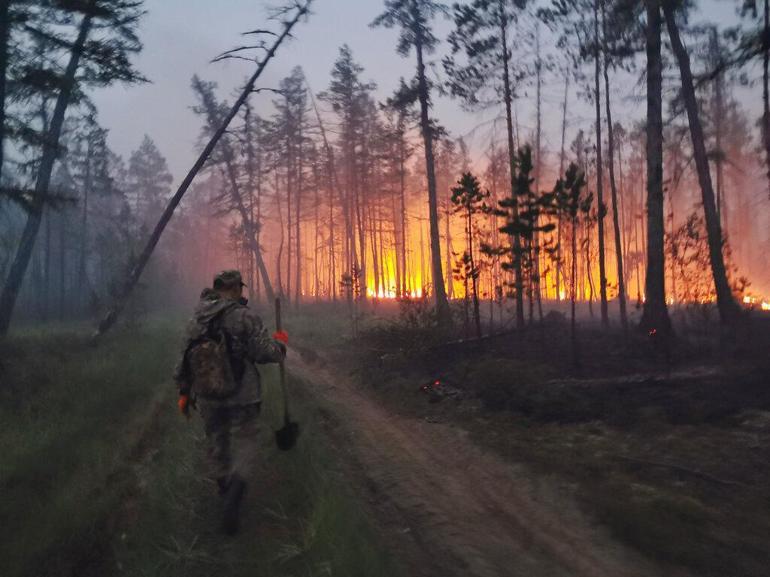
(456, 509)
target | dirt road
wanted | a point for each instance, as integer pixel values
(447, 507)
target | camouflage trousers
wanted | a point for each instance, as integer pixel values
(231, 439)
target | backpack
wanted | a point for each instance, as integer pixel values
(208, 362)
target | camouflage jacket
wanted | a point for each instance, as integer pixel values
(248, 343)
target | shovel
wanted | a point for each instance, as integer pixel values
(286, 436)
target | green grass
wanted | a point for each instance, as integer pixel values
(70, 414)
(101, 476)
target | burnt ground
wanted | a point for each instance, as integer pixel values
(666, 456)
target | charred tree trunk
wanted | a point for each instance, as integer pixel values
(442, 304)
(728, 308)
(655, 315)
(573, 285)
(613, 184)
(474, 278)
(448, 241)
(516, 237)
(599, 170)
(538, 151)
(561, 175)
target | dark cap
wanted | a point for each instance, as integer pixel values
(228, 279)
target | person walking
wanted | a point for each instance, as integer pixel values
(217, 374)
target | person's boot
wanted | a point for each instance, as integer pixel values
(232, 503)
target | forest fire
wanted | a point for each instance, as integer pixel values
(506, 263)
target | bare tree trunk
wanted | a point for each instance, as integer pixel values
(508, 99)
(82, 268)
(279, 254)
(254, 172)
(109, 320)
(316, 233)
(573, 287)
(442, 304)
(402, 195)
(561, 174)
(728, 308)
(47, 267)
(297, 226)
(655, 315)
(62, 264)
(361, 226)
(599, 171)
(589, 276)
(396, 241)
(50, 150)
(448, 241)
(538, 152)
(474, 278)
(718, 117)
(248, 224)
(766, 89)
(613, 185)
(333, 187)
(289, 190)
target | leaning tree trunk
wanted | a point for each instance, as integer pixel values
(613, 185)
(50, 149)
(599, 171)
(728, 308)
(120, 302)
(655, 314)
(442, 304)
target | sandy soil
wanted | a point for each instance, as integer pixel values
(445, 506)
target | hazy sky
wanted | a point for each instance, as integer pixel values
(182, 36)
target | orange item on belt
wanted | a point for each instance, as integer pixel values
(184, 404)
(282, 336)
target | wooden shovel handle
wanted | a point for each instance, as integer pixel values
(278, 324)
(281, 366)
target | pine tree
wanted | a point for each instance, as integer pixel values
(481, 35)
(470, 200)
(148, 183)
(348, 96)
(97, 59)
(570, 200)
(413, 17)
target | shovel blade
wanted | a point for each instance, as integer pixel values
(286, 436)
